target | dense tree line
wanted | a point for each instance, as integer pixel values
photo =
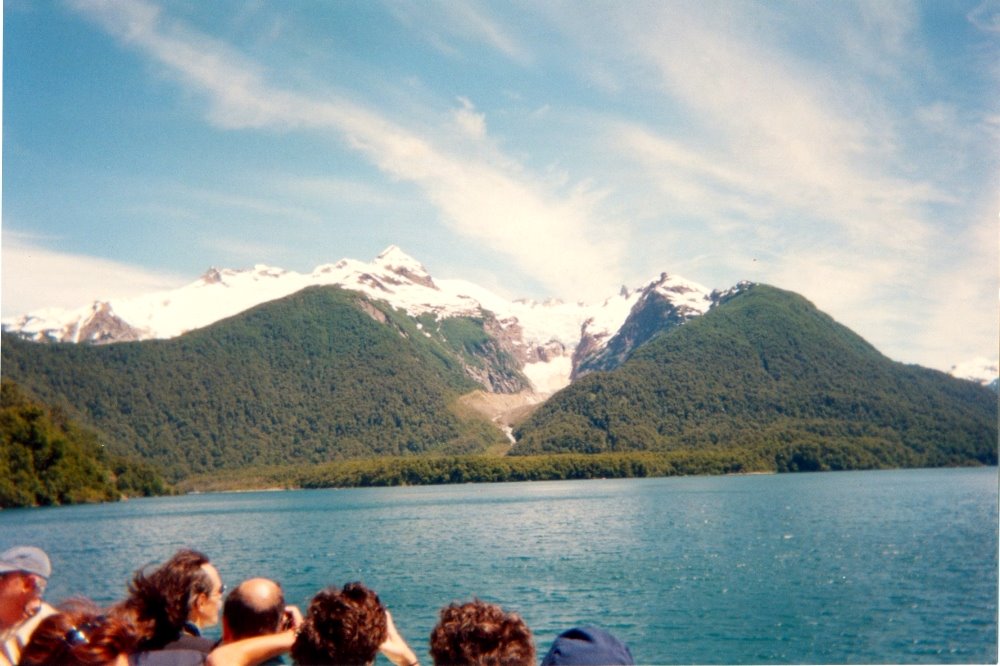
(46, 459)
(799, 455)
(426, 470)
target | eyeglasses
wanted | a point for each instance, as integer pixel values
(76, 636)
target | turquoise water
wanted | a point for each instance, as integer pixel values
(852, 567)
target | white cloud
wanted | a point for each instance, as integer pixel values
(986, 16)
(481, 193)
(35, 277)
(442, 22)
(471, 123)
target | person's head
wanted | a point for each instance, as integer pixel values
(80, 635)
(255, 607)
(482, 634)
(184, 589)
(24, 573)
(587, 646)
(344, 626)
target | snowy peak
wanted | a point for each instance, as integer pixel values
(396, 261)
(544, 338)
(664, 303)
(685, 294)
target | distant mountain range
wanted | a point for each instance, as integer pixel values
(552, 342)
(549, 340)
(260, 368)
(329, 374)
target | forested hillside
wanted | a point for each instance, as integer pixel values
(320, 375)
(766, 370)
(46, 458)
(762, 382)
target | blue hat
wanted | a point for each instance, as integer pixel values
(587, 646)
(27, 559)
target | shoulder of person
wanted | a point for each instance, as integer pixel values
(167, 658)
(188, 642)
(12, 641)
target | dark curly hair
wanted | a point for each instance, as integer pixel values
(480, 634)
(341, 627)
(80, 634)
(161, 600)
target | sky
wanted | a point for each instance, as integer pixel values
(846, 151)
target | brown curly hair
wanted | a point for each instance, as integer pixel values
(341, 627)
(161, 600)
(480, 634)
(80, 634)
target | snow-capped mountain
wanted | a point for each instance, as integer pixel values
(552, 341)
(548, 338)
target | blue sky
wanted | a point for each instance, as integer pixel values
(846, 151)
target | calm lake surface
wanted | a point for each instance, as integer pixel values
(850, 567)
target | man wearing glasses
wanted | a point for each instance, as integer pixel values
(24, 573)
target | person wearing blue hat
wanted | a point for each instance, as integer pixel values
(587, 646)
(24, 573)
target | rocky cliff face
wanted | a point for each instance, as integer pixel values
(500, 369)
(97, 324)
(662, 305)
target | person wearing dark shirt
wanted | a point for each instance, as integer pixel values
(170, 604)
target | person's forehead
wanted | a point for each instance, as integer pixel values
(15, 575)
(22, 577)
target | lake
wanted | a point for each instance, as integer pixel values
(847, 567)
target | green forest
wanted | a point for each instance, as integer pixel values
(329, 388)
(767, 370)
(47, 459)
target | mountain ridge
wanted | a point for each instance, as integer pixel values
(543, 336)
(766, 369)
(553, 342)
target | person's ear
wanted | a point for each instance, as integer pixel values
(198, 601)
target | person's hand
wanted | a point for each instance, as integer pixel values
(292, 618)
(395, 648)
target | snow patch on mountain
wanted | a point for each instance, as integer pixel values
(547, 377)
